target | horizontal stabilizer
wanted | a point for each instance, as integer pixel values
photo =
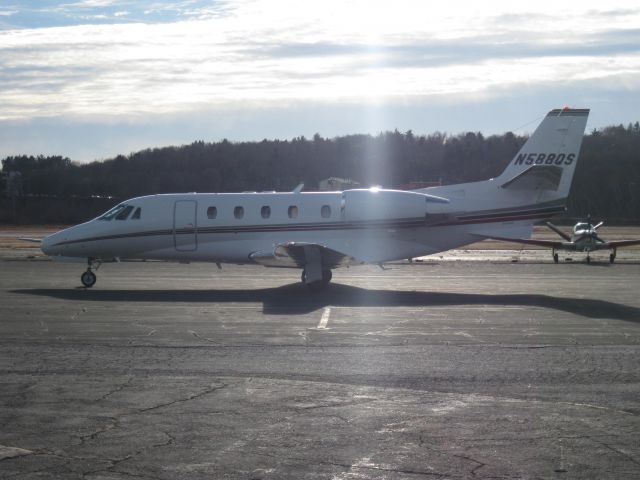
(536, 177)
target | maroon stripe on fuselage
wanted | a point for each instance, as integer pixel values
(493, 217)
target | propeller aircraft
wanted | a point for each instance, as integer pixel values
(584, 238)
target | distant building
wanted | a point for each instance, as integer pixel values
(416, 184)
(333, 184)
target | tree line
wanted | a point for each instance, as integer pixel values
(606, 183)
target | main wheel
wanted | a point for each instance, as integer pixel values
(555, 258)
(88, 279)
(326, 276)
(588, 259)
(319, 284)
(612, 258)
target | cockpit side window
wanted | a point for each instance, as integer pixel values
(124, 214)
(113, 212)
(136, 215)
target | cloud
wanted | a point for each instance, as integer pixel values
(137, 69)
(446, 52)
(125, 61)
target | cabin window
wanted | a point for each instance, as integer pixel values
(293, 211)
(113, 212)
(212, 212)
(265, 211)
(124, 213)
(136, 214)
(325, 211)
(238, 212)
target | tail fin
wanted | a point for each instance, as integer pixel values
(548, 159)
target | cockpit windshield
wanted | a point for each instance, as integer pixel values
(581, 226)
(119, 212)
(113, 212)
(122, 212)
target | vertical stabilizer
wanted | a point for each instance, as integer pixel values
(548, 159)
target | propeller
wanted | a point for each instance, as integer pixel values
(558, 231)
(594, 228)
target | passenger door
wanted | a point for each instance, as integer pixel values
(185, 227)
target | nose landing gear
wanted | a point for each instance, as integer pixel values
(89, 278)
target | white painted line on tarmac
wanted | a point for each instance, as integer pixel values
(325, 318)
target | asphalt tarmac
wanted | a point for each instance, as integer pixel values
(439, 369)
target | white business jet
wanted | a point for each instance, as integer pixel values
(320, 231)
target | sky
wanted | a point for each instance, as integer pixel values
(91, 79)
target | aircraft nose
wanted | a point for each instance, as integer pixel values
(50, 245)
(65, 243)
(47, 245)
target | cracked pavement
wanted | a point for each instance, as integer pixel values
(453, 370)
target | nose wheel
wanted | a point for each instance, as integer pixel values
(89, 278)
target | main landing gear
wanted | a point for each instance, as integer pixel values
(88, 278)
(612, 256)
(318, 284)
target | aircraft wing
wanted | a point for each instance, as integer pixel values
(32, 240)
(569, 245)
(299, 254)
(540, 243)
(616, 244)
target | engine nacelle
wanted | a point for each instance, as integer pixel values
(381, 204)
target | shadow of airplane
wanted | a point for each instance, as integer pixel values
(295, 299)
